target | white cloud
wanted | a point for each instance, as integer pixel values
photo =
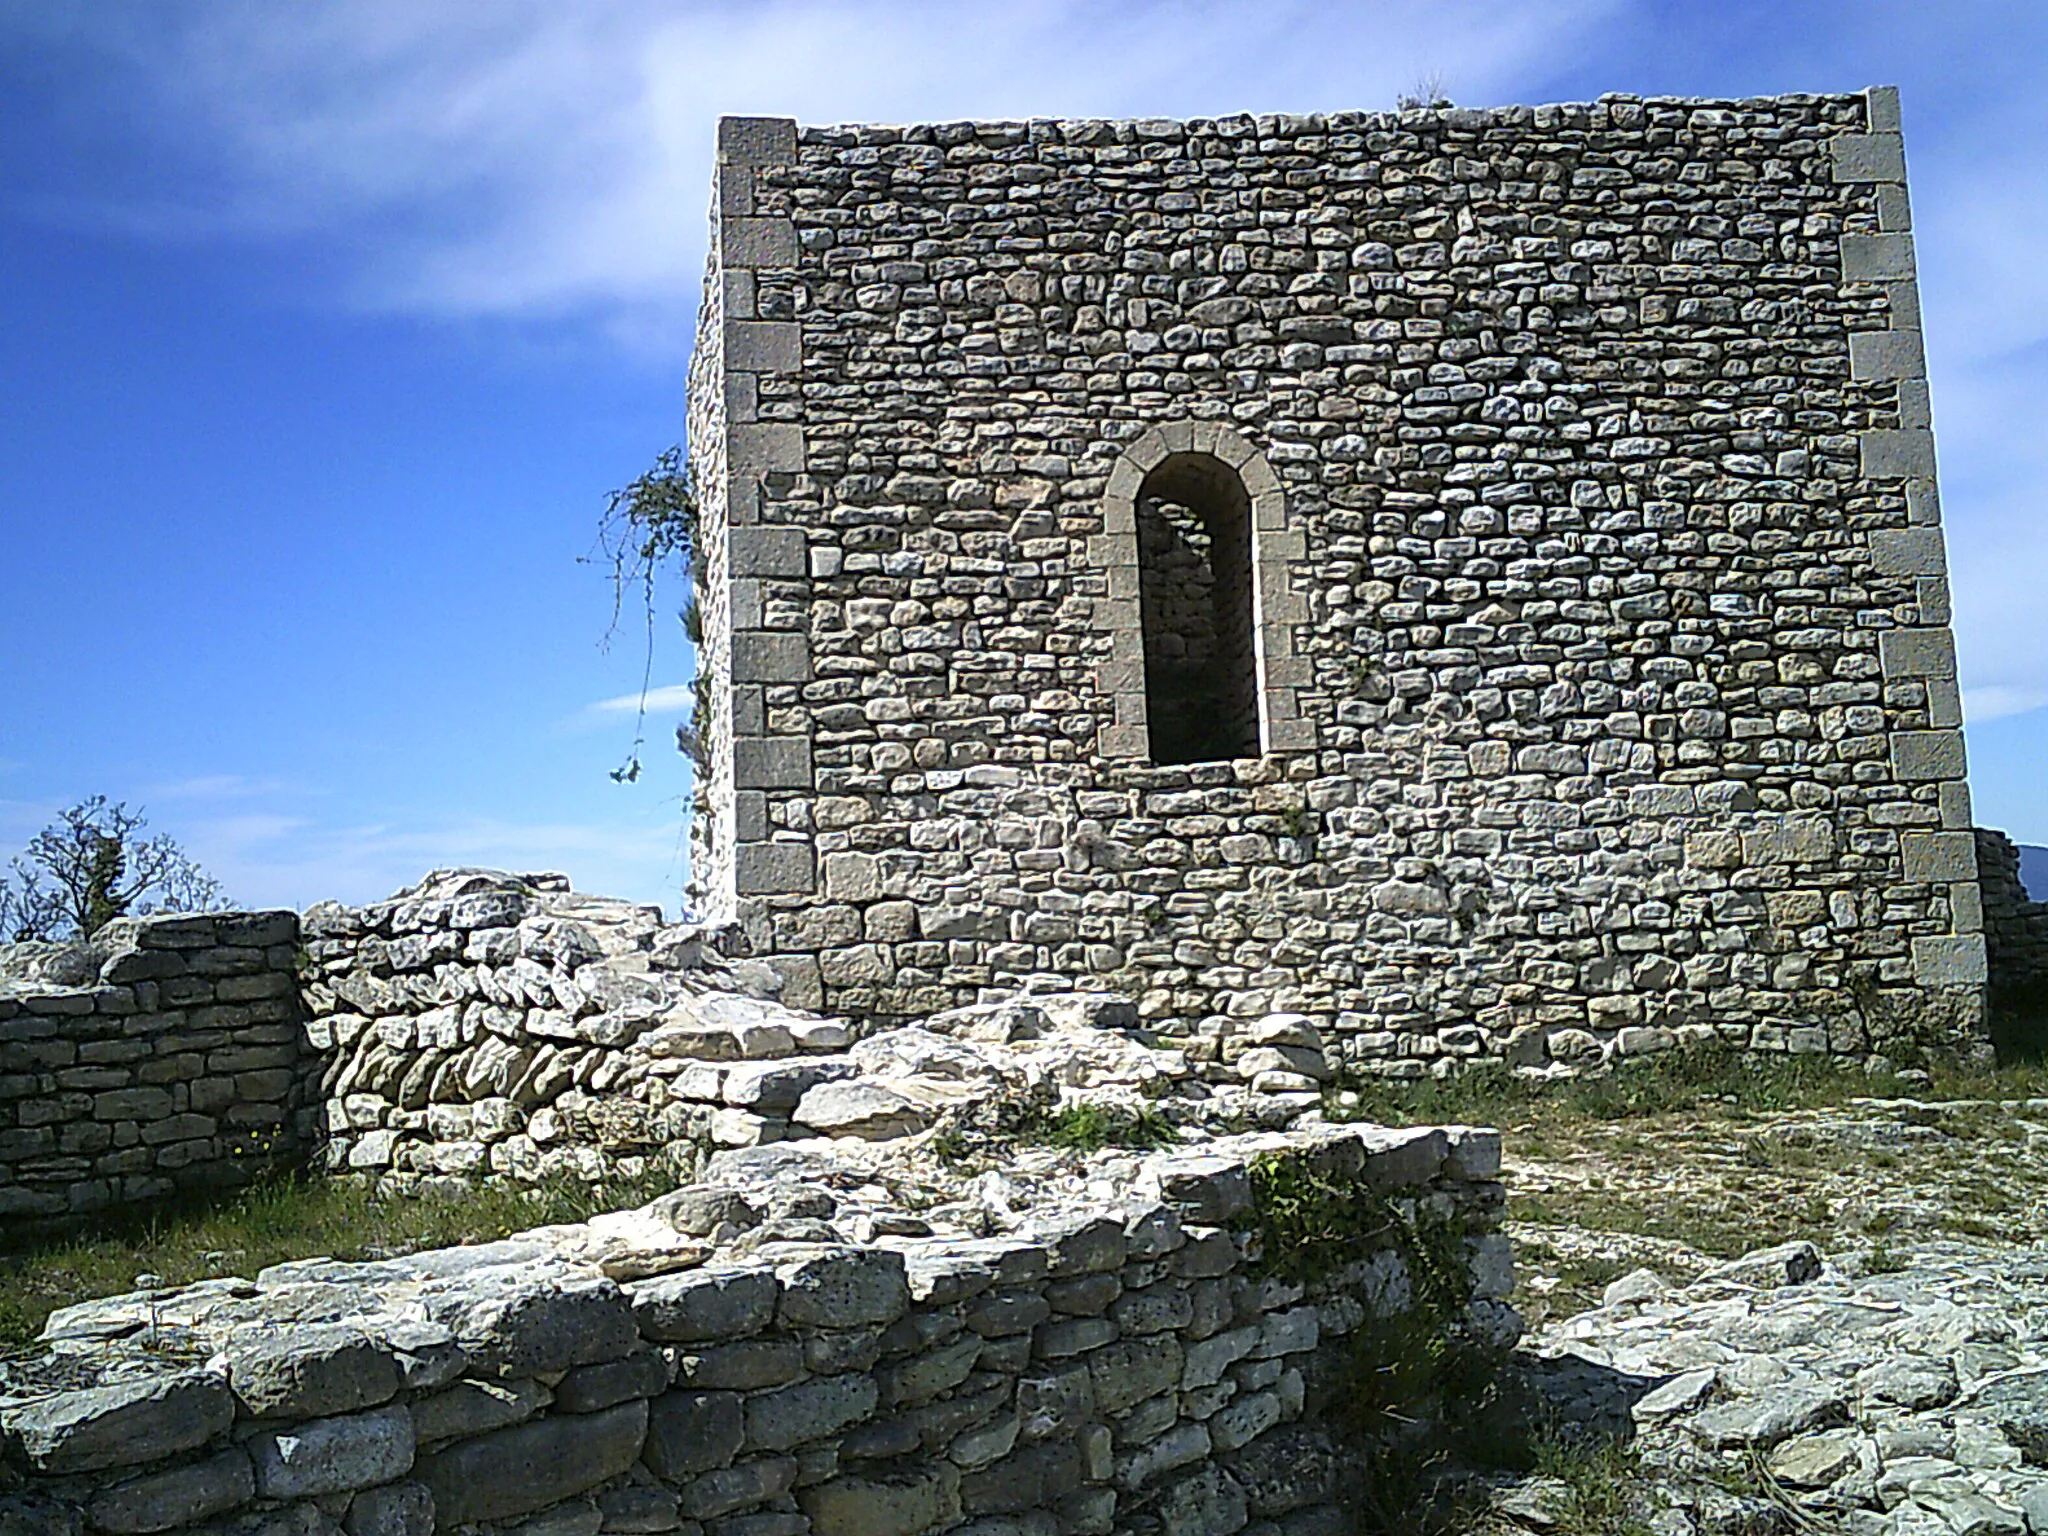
(1982, 705)
(528, 159)
(655, 701)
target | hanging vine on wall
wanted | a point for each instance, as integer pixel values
(649, 525)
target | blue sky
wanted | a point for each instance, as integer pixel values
(327, 327)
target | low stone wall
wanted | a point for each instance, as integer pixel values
(827, 1360)
(164, 1056)
(485, 1023)
(2015, 926)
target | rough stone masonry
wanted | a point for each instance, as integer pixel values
(1472, 577)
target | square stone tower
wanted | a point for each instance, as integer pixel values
(1474, 577)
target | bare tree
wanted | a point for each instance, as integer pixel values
(94, 865)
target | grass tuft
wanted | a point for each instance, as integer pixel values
(288, 1218)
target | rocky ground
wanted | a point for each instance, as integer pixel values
(1883, 1369)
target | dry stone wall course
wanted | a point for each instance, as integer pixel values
(1116, 1347)
(1605, 678)
(2015, 925)
(165, 1057)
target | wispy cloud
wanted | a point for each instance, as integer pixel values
(528, 159)
(655, 701)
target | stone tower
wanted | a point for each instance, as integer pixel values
(1474, 577)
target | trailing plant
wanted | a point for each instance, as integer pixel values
(647, 526)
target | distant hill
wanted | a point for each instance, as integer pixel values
(2034, 871)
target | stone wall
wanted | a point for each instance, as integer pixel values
(491, 1024)
(164, 1057)
(1605, 680)
(1117, 1361)
(2015, 925)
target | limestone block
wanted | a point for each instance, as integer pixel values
(1939, 857)
(756, 242)
(1950, 962)
(1917, 653)
(767, 551)
(852, 877)
(773, 762)
(857, 1108)
(1877, 258)
(1789, 840)
(311, 1372)
(121, 1425)
(1908, 552)
(1868, 157)
(756, 140)
(770, 656)
(1891, 453)
(1887, 355)
(1918, 756)
(530, 1466)
(846, 1288)
(705, 1304)
(334, 1455)
(165, 1499)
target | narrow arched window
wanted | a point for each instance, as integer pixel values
(1195, 605)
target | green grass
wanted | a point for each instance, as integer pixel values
(287, 1218)
(1075, 1127)
(1676, 1082)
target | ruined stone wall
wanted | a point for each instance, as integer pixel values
(1605, 679)
(1117, 1363)
(2015, 925)
(164, 1057)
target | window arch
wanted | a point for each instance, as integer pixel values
(1195, 611)
(1198, 621)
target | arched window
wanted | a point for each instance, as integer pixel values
(1196, 608)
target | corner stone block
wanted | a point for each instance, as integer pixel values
(766, 449)
(757, 140)
(1868, 157)
(1916, 653)
(757, 242)
(763, 551)
(1943, 858)
(1944, 704)
(1291, 736)
(773, 869)
(1886, 355)
(771, 762)
(1954, 799)
(1908, 552)
(1877, 258)
(771, 656)
(735, 191)
(1951, 962)
(1881, 108)
(763, 346)
(1122, 742)
(1966, 906)
(1921, 756)
(1897, 453)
